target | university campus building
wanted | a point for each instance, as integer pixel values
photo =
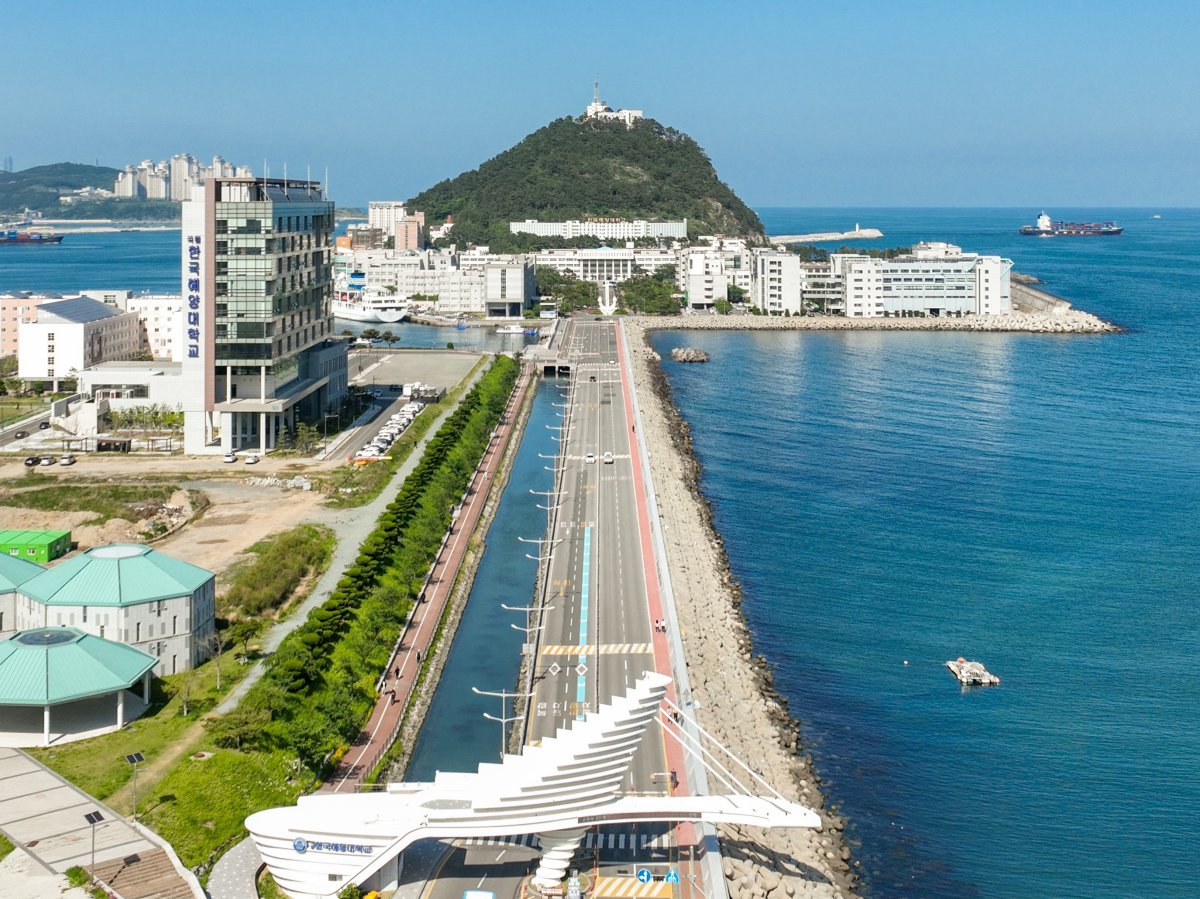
(257, 282)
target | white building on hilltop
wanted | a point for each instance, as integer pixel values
(598, 109)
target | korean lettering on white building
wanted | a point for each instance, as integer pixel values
(195, 255)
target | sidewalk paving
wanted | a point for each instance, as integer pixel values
(43, 814)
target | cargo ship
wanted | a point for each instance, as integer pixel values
(1044, 227)
(26, 238)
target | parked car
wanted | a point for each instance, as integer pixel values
(21, 434)
(48, 460)
(230, 457)
(66, 459)
(252, 460)
(42, 425)
(612, 361)
(32, 460)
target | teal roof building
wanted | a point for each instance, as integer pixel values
(122, 574)
(57, 666)
(127, 593)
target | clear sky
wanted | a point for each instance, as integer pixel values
(1064, 103)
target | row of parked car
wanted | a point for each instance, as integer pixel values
(64, 459)
(395, 426)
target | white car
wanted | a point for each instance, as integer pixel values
(252, 460)
(230, 457)
(66, 459)
(608, 458)
(590, 459)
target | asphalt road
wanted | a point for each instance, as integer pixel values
(596, 639)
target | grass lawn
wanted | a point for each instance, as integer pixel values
(280, 565)
(105, 500)
(5, 847)
(200, 806)
(98, 765)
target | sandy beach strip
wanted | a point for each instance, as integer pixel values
(737, 702)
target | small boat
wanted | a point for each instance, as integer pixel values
(509, 329)
(972, 674)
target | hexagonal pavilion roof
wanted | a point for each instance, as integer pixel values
(51, 665)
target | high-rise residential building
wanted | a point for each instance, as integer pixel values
(383, 214)
(410, 232)
(257, 278)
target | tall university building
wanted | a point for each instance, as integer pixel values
(257, 280)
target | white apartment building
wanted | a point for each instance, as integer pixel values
(935, 279)
(778, 282)
(606, 264)
(603, 229)
(706, 272)
(70, 335)
(384, 214)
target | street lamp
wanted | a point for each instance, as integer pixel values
(135, 758)
(504, 696)
(325, 422)
(93, 818)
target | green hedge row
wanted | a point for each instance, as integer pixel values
(320, 684)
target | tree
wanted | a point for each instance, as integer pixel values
(389, 338)
(181, 685)
(307, 437)
(243, 631)
(215, 644)
(370, 334)
(723, 307)
(241, 727)
(735, 294)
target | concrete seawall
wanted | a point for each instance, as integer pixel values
(1063, 321)
(735, 696)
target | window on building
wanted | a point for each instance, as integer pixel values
(137, 632)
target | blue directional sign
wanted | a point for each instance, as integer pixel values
(672, 876)
(644, 875)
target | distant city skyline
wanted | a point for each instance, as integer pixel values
(874, 104)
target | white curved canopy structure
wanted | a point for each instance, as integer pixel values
(563, 786)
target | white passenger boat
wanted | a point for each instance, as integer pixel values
(368, 305)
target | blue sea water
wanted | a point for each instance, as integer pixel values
(1031, 501)
(148, 261)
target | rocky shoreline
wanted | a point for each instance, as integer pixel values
(736, 696)
(1070, 321)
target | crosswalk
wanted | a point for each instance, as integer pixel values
(628, 841)
(597, 649)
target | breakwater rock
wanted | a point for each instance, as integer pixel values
(1072, 321)
(688, 354)
(735, 698)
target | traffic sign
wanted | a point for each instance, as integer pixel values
(644, 875)
(672, 876)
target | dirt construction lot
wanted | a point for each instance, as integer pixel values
(239, 512)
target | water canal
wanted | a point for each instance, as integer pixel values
(487, 651)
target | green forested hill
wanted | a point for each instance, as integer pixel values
(39, 187)
(571, 169)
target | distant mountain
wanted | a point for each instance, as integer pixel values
(40, 186)
(576, 168)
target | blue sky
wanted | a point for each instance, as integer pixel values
(809, 104)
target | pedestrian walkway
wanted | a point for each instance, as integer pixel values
(351, 527)
(400, 675)
(46, 816)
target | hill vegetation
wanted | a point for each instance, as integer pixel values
(575, 169)
(39, 188)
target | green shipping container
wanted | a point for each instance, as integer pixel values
(35, 546)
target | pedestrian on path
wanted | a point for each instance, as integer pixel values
(392, 694)
(397, 672)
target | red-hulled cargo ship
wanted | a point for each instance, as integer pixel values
(27, 238)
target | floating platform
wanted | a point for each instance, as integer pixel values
(972, 674)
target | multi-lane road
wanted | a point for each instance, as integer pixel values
(597, 637)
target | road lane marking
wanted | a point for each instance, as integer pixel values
(583, 649)
(585, 591)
